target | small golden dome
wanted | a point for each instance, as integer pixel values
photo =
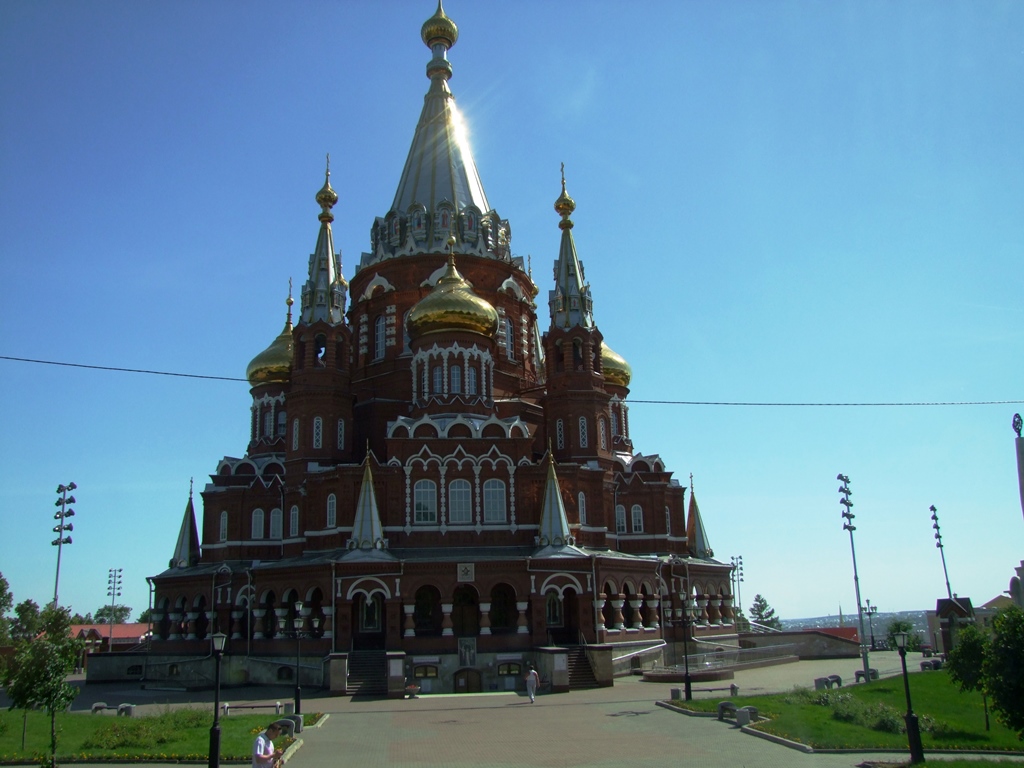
(273, 365)
(614, 367)
(452, 306)
(439, 28)
(326, 197)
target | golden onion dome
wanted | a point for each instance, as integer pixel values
(452, 306)
(615, 368)
(273, 365)
(439, 28)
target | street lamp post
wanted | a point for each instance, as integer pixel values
(913, 729)
(737, 569)
(297, 622)
(218, 650)
(942, 550)
(113, 592)
(63, 513)
(848, 525)
(871, 610)
(687, 623)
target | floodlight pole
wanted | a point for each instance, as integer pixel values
(61, 526)
(848, 525)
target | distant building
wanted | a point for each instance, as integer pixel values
(440, 474)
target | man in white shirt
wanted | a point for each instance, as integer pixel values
(263, 753)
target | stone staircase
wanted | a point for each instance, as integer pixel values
(367, 673)
(581, 674)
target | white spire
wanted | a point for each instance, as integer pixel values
(570, 303)
(323, 295)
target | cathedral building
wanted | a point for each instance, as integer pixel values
(440, 483)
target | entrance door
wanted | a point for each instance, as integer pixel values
(368, 623)
(467, 681)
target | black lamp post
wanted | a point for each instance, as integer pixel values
(871, 610)
(297, 622)
(687, 618)
(913, 729)
(218, 650)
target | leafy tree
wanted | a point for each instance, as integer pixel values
(762, 613)
(902, 625)
(112, 614)
(80, 619)
(37, 675)
(965, 661)
(1003, 668)
(27, 622)
(6, 601)
(145, 617)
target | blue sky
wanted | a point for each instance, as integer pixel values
(795, 202)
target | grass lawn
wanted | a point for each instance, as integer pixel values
(182, 734)
(871, 716)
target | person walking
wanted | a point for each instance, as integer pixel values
(263, 753)
(532, 681)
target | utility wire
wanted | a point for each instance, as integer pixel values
(634, 402)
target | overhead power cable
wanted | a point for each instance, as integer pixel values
(750, 404)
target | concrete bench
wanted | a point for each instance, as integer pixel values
(276, 706)
(726, 708)
(126, 710)
(835, 680)
(859, 674)
(746, 715)
(931, 664)
(99, 706)
(822, 683)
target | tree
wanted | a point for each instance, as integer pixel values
(145, 617)
(902, 625)
(764, 614)
(1003, 668)
(80, 619)
(27, 622)
(112, 614)
(6, 601)
(37, 677)
(965, 662)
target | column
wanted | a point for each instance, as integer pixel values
(410, 621)
(653, 603)
(257, 619)
(485, 618)
(446, 622)
(599, 603)
(236, 625)
(328, 625)
(620, 620)
(522, 627)
(638, 620)
(727, 614)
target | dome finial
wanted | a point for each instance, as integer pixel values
(327, 197)
(289, 301)
(439, 29)
(564, 205)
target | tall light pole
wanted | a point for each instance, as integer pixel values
(737, 571)
(63, 513)
(913, 728)
(871, 610)
(942, 550)
(297, 622)
(1017, 424)
(113, 592)
(845, 492)
(218, 650)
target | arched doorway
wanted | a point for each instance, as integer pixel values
(368, 622)
(465, 612)
(467, 681)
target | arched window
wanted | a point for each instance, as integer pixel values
(275, 524)
(257, 523)
(602, 434)
(318, 432)
(510, 339)
(295, 434)
(293, 522)
(332, 511)
(378, 338)
(460, 502)
(438, 380)
(341, 434)
(494, 501)
(615, 425)
(581, 503)
(559, 434)
(668, 521)
(268, 424)
(583, 432)
(455, 379)
(425, 501)
(223, 526)
(471, 380)
(637, 513)
(553, 608)
(620, 518)
(282, 423)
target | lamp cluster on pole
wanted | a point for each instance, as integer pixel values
(297, 622)
(942, 550)
(113, 592)
(913, 728)
(737, 575)
(62, 514)
(847, 505)
(218, 640)
(871, 610)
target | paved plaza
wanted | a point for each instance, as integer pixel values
(602, 728)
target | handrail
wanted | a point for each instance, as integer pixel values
(660, 644)
(586, 649)
(762, 628)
